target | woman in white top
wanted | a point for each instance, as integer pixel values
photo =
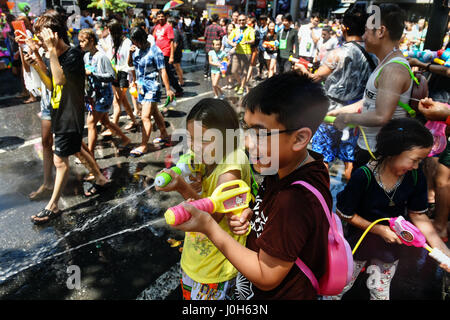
(119, 57)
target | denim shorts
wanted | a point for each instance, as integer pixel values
(45, 112)
(149, 91)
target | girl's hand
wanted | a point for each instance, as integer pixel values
(88, 73)
(239, 224)
(175, 185)
(199, 222)
(170, 94)
(133, 48)
(445, 267)
(50, 38)
(388, 235)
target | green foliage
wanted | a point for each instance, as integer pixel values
(112, 5)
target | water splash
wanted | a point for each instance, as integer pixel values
(45, 253)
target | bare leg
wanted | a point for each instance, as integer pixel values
(442, 201)
(348, 170)
(159, 119)
(127, 107)
(89, 162)
(146, 127)
(104, 119)
(62, 169)
(92, 119)
(47, 152)
(116, 105)
(179, 72)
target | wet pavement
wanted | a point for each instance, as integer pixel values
(119, 239)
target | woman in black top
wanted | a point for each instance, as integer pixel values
(270, 53)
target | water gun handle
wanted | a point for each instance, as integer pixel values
(163, 179)
(301, 61)
(178, 214)
(440, 257)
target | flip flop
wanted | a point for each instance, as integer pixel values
(44, 213)
(166, 142)
(96, 189)
(136, 153)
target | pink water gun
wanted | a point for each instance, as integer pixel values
(233, 200)
(410, 235)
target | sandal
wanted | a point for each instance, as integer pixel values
(163, 142)
(95, 189)
(44, 213)
(136, 153)
(130, 126)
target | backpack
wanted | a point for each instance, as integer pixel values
(339, 265)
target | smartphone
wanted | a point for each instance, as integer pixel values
(19, 25)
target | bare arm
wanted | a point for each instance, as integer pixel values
(393, 81)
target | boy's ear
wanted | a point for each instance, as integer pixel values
(301, 139)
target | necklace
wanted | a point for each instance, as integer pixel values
(392, 51)
(393, 189)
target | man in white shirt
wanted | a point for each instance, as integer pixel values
(308, 37)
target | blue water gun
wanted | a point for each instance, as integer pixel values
(238, 38)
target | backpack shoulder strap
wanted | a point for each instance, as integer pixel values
(368, 175)
(303, 267)
(366, 54)
(405, 106)
(414, 174)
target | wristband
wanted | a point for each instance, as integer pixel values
(428, 67)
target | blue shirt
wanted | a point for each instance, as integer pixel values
(147, 63)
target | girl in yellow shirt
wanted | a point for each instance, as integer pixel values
(206, 273)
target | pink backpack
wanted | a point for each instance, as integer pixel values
(339, 265)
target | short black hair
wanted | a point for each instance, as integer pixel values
(297, 101)
(160, 12)
(215, 17)
(315, 15)
(400, 135)
(138, 35)
(287, 17)
(393, 18)
(355, 21)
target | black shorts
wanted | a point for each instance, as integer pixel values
(67, 144)
(444, 158)
(121, 80)
(177, 57)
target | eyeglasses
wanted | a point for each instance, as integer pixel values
(262, 133)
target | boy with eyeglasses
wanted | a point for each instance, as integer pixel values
(287, 220)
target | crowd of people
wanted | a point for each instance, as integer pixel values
(338, 69)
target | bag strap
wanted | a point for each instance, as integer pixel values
(368, 174)
(303, 267)
(405, 106)
(366, 54)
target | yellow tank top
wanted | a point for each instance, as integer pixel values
(200, 259)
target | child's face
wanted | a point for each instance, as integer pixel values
(408, 160)
(269, 153)
(216, 45)
(85, 44)
(199, 143)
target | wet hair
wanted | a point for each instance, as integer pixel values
(355, 22)
(216, 114)
(53, 20)
(90, 33)
(393, 18)
(400, 135)
(138, 35)
(295, 99)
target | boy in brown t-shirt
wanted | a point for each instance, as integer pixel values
(287, 221)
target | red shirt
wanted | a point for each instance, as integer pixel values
(163, 36)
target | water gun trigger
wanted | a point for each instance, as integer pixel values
(232, 197)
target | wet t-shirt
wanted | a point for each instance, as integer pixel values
(347, 62)
(67, 100)
(289, 222)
